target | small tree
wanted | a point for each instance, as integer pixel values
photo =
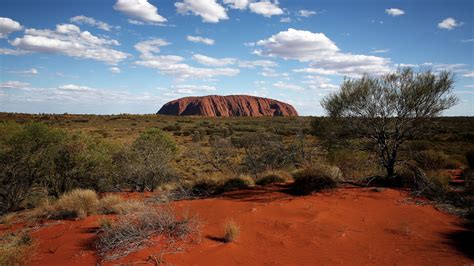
(149, 159)
(391, 109)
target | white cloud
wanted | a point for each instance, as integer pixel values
(68, 39)
(467, 40)
(32, 72)
(287, 86)
(219, 62)
(115, 70)
(469, 74)
(237, 4)
(7, 51)
(8, 25)
(324, 56)
(394, 12)
(83, 20)
(200, 39)
(306, 13)
(209, 10)
(211, 61)
(469, 86)
(190, 89)
(285, 20)
(140, 10)
(13, 84)
(319, 83)
(449, 24)
(266, 8)
(380, 51)
(173, 65)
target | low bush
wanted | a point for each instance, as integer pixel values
(231, 231)
(109, 203)
(15, 248)
(78, 203)
(431, 159)
(314, 179)
(132, 231)
(236, 183)
(273, 177)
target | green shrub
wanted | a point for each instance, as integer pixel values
(314, 179)
(148, 160)
(27, 155)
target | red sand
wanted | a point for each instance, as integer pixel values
(346, 226)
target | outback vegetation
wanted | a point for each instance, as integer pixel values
(380, 132)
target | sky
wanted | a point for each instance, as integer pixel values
(132, 56)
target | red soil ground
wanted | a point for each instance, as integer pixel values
(346, 226)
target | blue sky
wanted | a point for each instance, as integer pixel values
(132, 56)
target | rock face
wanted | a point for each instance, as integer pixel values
(232, 105)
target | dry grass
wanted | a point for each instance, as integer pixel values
(273, 177)
(15, 248)
(231, 231)
(316, 178)
(132, 231)
(109, 203)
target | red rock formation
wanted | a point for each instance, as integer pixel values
(232, 105)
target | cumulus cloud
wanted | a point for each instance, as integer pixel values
(173, 65)
(394, 12)
(266, 8)
(449, 24)
(324, 56)
(209, 10)
(199, 39)
(83, 20)
(306, 13)
(237, 4)
(68, 39)
(13, 84)
(8, 25)
(140, 10)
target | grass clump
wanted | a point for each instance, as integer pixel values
(236, 183)
(79, 203)
(315, 179)
(109, 204)
(273, 177)
(231, 231)
(132, 231)
(15, 248)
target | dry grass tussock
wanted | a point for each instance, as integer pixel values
(315, 178)
(15, 248)
(273, 177)
(130, 232)
(231, 231)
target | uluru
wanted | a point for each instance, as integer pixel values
(226, 106)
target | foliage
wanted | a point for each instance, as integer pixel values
(315, 179)
(15, 248)
(273, 177)
(392, 109)
(26, 158)
(148, 160)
